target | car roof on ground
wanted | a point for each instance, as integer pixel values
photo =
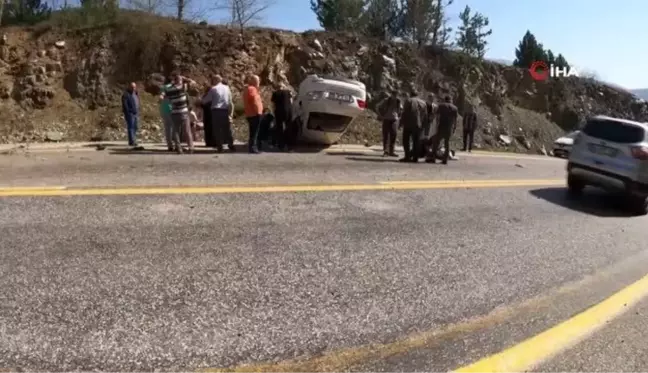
(626, 121)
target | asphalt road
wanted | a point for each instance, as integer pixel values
(431, 279)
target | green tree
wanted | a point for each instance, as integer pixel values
(25, 11)
(424, 21)
(550, 57)
(338, 15)
(561, 62)
(529, 51)
(472, 33)
(383, 19)
(442, 33)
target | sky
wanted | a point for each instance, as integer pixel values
(594, 35)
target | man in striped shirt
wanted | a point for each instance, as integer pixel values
(179, 99)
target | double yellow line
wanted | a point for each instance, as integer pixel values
(294, 188)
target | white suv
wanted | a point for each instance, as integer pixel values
(611, 153)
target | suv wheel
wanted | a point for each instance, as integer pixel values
(638, 205)
(575, 186)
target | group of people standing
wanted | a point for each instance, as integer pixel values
(417, 117)
(216, 107)
(414, 115)
(217, 111)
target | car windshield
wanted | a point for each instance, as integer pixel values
(611, 130)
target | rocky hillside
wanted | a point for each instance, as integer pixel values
(62, 83)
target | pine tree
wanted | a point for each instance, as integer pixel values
(472, 34)
(551, 59)
(338, 15)
(383, 19)
(561, 62)
(25, 11)
(425, 21)
(529, 51)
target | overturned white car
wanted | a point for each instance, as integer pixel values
(326, 106)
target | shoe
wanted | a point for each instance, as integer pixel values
(231, 148)
(392, 154)
(444, 162)
(430, 160)
(405, 160)
(385, 154)
(191, 151)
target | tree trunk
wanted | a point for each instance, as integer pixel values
(2, 5)
(181, 6)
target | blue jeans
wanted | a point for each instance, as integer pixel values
(131, 128)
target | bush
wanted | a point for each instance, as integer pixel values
(141, 38)
(239, 109)
(25, 12)
(84, 17)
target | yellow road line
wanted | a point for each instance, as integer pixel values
(511, 156)
(453, 182)
(157, 190)
(543, 346)
(346, 359)
(31, 188)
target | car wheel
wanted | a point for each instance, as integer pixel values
(575, 186)
(638, 205)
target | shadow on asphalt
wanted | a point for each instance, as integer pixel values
(592, 201)
(128, 151)
(374, 158)
(201, 149)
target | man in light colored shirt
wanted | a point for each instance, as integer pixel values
(220, 98)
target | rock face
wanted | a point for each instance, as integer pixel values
(75, 81)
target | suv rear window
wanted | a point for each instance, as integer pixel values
(613, 131)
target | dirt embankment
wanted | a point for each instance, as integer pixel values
(59, 83)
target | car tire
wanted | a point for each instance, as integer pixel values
(638, 205)
(575, 186)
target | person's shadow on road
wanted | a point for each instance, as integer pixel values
(593, 201)
(373, 158)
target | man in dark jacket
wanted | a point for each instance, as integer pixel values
(469, 127)
(283, 131)
(265, 129)
(413, 119)
(390, 111)
(447, 114)
(428, 131)
(130, 108)
(207, 121)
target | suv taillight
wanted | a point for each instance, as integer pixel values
(361, 103)
(640, 152)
